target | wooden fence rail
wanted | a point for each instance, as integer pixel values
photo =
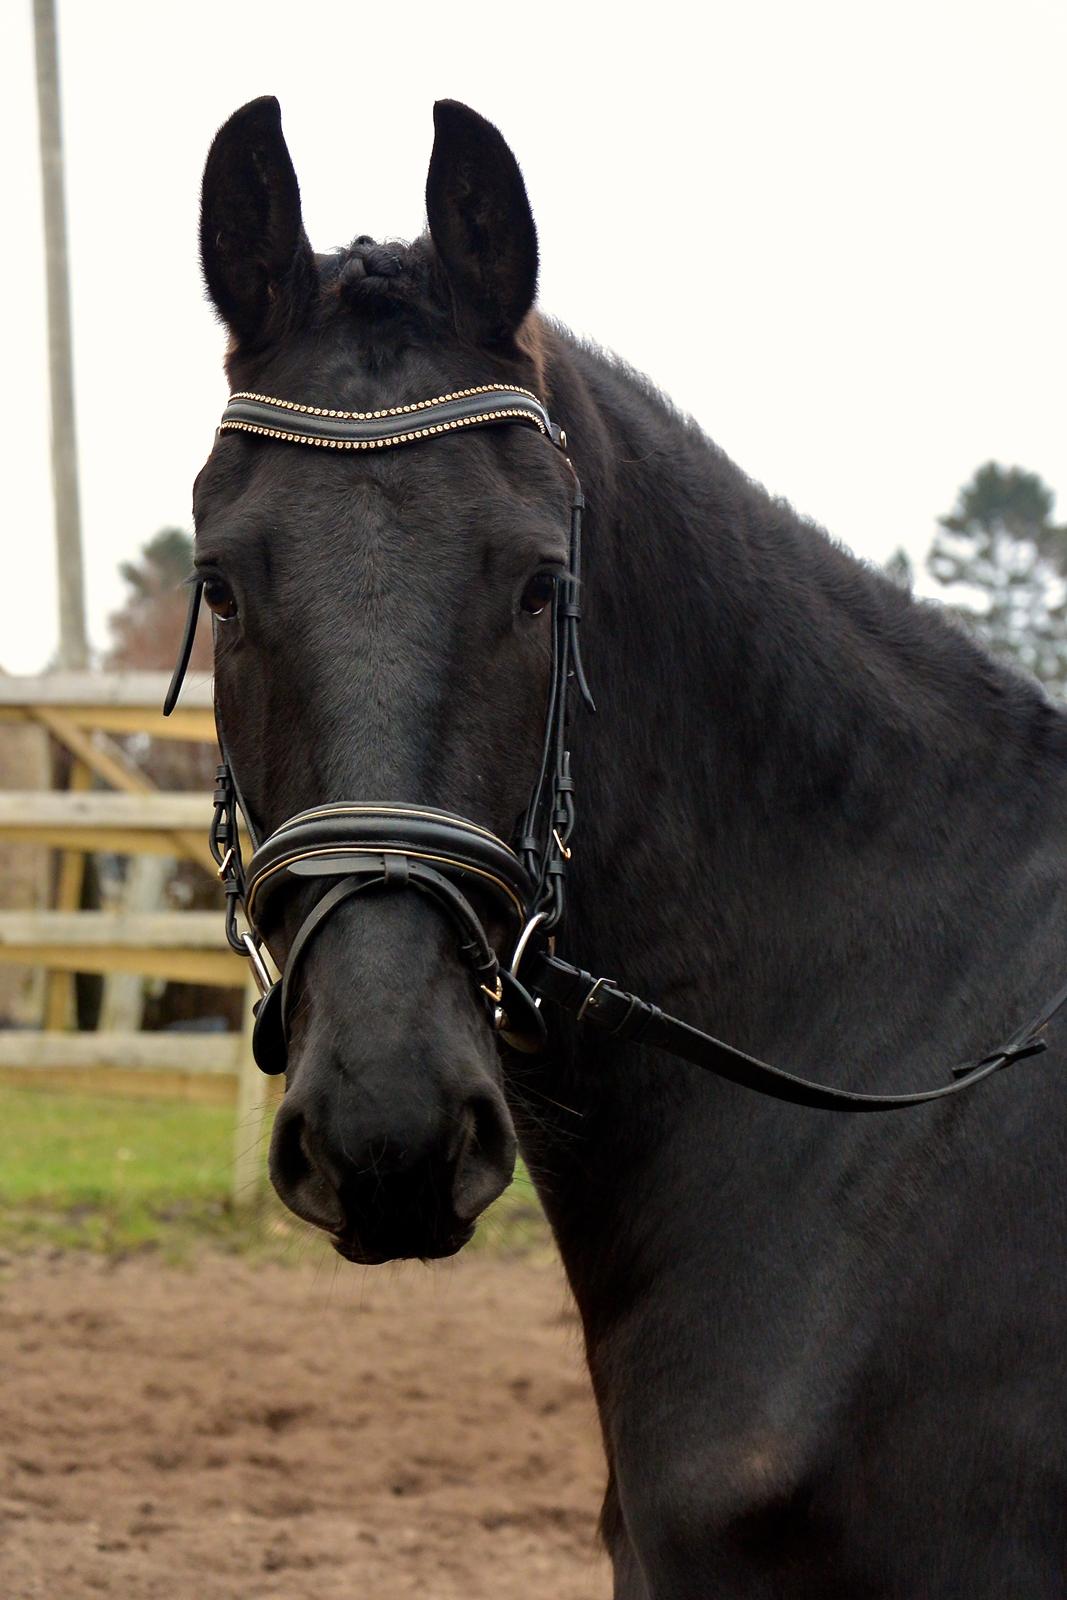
(129, 816)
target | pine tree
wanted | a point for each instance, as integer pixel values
(1004, 563)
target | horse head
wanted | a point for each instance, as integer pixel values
(383, 624)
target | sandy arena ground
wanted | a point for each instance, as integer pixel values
(232, 1431)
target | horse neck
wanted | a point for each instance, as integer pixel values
(811, 810)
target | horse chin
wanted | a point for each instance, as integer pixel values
(363, 1254)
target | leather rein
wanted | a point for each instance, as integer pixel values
(358, 848)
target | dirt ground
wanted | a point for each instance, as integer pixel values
(232, 1431)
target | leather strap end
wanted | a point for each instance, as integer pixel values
(1007, 1053)
(185, 649)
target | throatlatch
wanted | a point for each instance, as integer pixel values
(361, 848)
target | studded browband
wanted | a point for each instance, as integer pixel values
(363, 847)
(482, 407)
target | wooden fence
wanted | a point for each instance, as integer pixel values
(111, 805)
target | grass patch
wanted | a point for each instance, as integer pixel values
(97, 1172)
(85, 1149)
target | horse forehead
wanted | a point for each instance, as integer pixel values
(377, 514)
(359, 364)
(251, 490)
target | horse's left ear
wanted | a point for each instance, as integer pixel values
(481, 225)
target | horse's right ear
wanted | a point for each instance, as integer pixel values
(257, 262)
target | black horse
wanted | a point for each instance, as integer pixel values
(828, 1352)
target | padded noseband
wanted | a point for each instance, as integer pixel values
(383, 847)
(327, 840)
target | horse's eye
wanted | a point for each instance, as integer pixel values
(538, 593)
(220, 599)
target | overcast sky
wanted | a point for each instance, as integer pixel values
(834, 232)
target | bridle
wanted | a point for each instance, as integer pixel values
(358, 848)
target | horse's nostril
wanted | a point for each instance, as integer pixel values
(408, 1184)
(486, 1156)
(298, 1176)
(289, 1156)
(492, 1130)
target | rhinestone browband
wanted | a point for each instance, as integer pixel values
(330, 429)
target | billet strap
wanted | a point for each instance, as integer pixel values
(330, 429)
(607, 1007)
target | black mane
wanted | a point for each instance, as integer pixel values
(771, 578)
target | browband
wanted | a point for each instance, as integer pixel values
(293, 423)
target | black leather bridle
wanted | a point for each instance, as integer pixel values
(359, 848)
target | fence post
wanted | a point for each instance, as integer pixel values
(61, 1010)
(253, 1097)
(123, 996)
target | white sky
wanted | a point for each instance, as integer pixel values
(833, 231)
